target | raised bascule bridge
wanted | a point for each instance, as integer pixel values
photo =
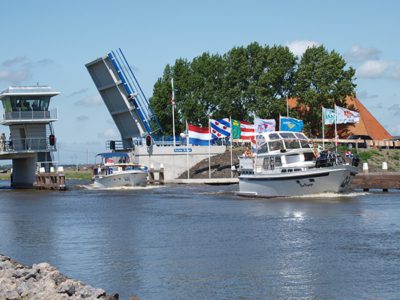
(31, 142)
(136, 121)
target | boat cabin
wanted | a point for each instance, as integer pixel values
(115, 162)
(279, 151)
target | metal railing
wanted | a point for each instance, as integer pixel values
(26, 115)
(27, 145)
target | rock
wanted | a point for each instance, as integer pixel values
(68, 287)
(24, 289)
(12, 295)
(112, 297)
(42, 281)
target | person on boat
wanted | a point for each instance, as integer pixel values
(247, 153)
(3, 141)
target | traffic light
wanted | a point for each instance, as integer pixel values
(52, 140)
(112, 145)
(149, 141)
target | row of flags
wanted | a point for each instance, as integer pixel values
(234, 129)
(340, 115)
(223, 128)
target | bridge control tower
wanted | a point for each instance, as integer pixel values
(31, 142)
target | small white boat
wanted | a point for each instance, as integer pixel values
(117, 170)
(285, 165)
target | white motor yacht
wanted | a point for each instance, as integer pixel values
(285, 165)
(116, 170)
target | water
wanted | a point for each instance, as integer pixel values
(203, 242)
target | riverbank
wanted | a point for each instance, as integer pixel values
(42, 281)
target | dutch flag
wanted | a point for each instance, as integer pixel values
(199, 135)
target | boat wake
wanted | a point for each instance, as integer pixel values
(120, 188)
(332, 195)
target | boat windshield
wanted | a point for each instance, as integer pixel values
(291, 140)
(305, 143)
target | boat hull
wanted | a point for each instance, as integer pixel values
(125, 179)
(336, 179)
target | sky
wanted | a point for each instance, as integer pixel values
(49, 42)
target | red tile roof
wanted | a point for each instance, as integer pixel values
(368, 125)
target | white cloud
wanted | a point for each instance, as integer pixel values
(394, 109)
(81, 91)
(15, 76)
(90, 101)
(299, 47)
(109, 133)
(373, 69)
(20, 68)
(396, 72)
(357, 54)
(14, 61)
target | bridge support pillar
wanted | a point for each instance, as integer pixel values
(24, 170)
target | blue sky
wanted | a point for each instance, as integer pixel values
(49, 42)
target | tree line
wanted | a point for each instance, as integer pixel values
(253, 80)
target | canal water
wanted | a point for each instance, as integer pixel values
(204, 242)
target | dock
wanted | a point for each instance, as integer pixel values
(384, 181)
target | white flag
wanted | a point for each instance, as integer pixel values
(344, 115)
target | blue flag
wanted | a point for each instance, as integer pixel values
(290, 124)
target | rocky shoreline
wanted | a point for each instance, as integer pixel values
(42, 281)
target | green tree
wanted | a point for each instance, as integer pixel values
(322, 79)
(276, 67)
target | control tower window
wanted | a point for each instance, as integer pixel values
(30, 103)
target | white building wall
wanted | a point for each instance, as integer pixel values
(174, 159)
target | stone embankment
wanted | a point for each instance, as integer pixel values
(42, 281)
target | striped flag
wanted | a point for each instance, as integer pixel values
(247, 131)
(220, 128)
(199, 135)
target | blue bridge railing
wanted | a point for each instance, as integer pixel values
(135, 92)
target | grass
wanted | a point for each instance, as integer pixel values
(81, 175)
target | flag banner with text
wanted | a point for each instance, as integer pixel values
(344, 116)
(264, 125)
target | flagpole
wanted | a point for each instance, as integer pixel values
(280, 127)
(230, 121)
(209, 148)
(323, 129)
(187, 149)
(287, 106)
(173, 111)
(336, 136)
